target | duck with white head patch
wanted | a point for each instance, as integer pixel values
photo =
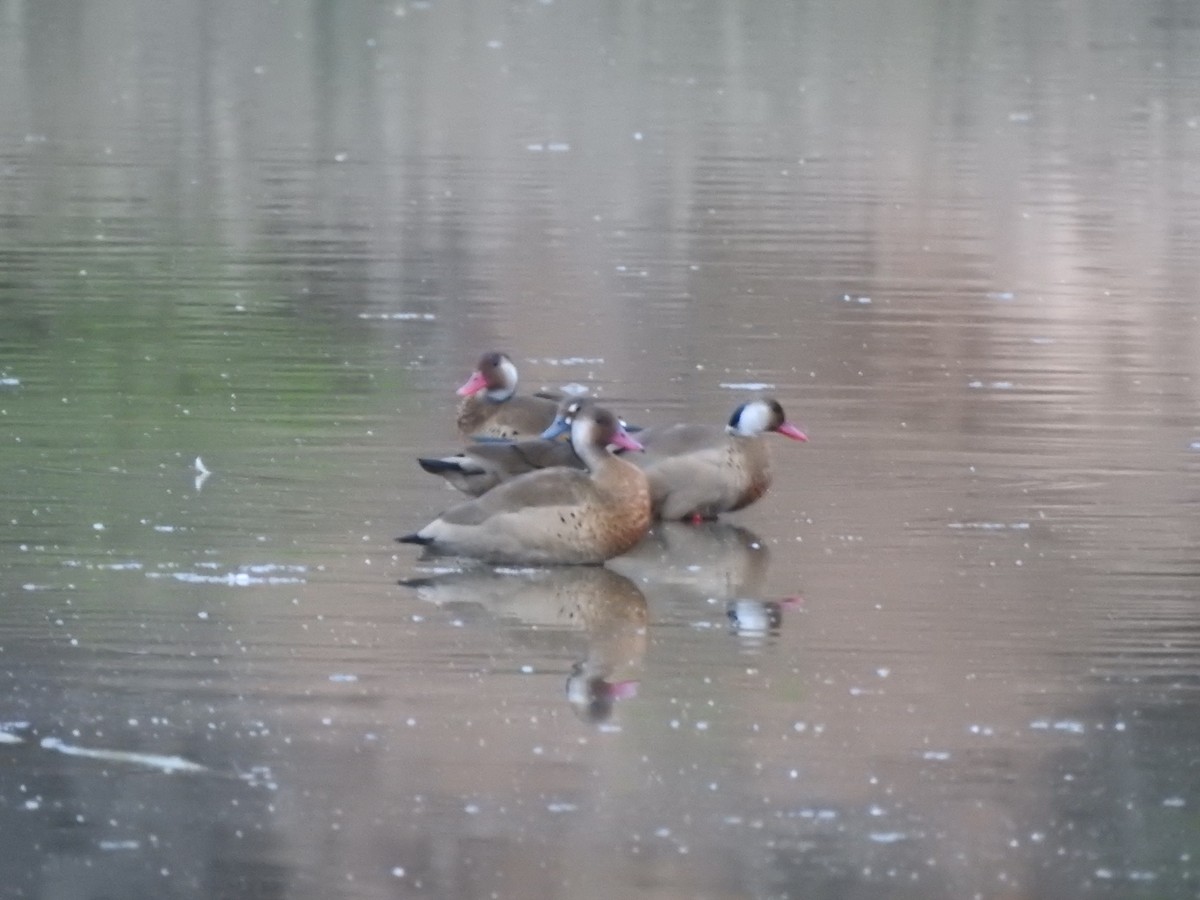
(697, 472)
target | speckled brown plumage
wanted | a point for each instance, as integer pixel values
(554, 516)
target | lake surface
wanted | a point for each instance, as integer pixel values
(954, 652)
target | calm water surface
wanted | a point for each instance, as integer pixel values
(954, 653)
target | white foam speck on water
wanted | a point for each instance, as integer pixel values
(119, 845)
(561, 807)
(167, 764)
(935, 755)
(399, 317)
(433, 571)
(991, 385)
(1071, 726)
(6, 738)
(259, 776)
(343, 678)
(990, 526)
(817, 815)
(1194, 445)
(747, 386)
(1174, 802)
(572, 360)
(244, 576)
(8, 381)
(886, 837)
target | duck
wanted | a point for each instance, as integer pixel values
(697, 472)
(606, 609)
(487, 461)
(751, 616)
(490, 407)
(557, 516)
(478, 468)
(703, 562)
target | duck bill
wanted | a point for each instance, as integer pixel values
(622, 439)
(557, 427)
(787, 429)
(620, 690)
(474, 385)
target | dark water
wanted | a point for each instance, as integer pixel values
(958, 243)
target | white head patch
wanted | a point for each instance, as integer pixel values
(508, 373)
(753, 418)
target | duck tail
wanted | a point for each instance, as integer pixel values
(414, 538)
(437, 466)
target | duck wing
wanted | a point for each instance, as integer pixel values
(546, 487)
(675, 440)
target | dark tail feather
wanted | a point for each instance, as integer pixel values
(438, 466)
(414, 538)
(416, 582)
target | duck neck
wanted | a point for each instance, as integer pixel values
(594, 455)
(500, 394)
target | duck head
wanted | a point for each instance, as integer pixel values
(761, 415)
(589, 425)
(496, 374)
(592, 696)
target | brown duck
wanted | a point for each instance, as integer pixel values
(607, 608)
(559, 515)
(490, 406)
(698, 472)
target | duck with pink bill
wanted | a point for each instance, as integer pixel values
(491, 408)
(555, 516)
(697, 472)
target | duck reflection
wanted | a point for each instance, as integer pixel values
(753, 619)
(607, 607)
(713, 559)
